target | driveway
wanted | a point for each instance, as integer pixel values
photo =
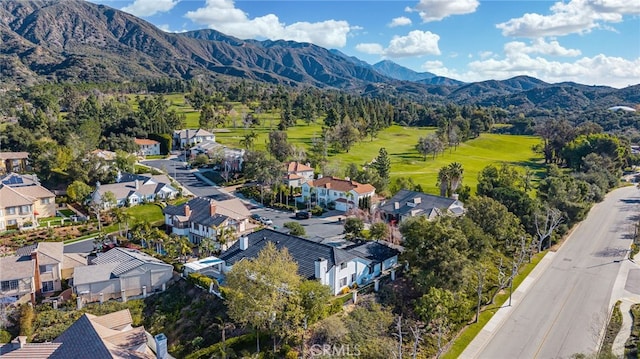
(325, 227)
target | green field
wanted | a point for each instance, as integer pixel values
(150, 213)
(399, 142)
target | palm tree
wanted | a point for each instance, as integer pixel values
(207, 246)
(455, 176)
(444, 180)
(225, 236)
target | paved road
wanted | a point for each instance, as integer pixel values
(187, 178)
(566, 309)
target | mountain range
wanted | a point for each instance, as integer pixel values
(74, 40)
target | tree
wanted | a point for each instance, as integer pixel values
(78, 191)
(262, 293)
(295, 229)
(315, 296)
(379, 231)
(248, 139)
(450, 178)
(225, 236)
(353, 227)
(546, 222)
(125, 161)
(279, 148)
(429, 144)
(382, 165)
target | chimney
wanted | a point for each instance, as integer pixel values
(319, 175)
(396, 205)
(347, 178)
(212, 208)
(417, 200)
(36, 276)
(137, 185)
(320, 270)
(187, 210)
(455, 196)
(161, 346)
(22, 341)
(244, 243)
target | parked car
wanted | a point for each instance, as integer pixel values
(303, 215)
(256, 217)
(266, 221)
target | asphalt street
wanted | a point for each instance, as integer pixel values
(566, 309)
(187, 178)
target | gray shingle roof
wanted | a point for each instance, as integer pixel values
(16, 267)
(303, 251)
(112, 264)
(200, 212)
(406, 203)
(373, 251)
(79, 340)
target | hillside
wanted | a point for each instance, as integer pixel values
(78, 41)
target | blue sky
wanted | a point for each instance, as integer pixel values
(593, 42)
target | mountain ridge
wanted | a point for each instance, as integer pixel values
(74, 40)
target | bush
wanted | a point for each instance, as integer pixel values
(200, 280)
(295, 228)
(317, 211)
(284, 207)
(27, 317)
(5, 336)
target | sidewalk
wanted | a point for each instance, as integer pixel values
(474, 348)
(625, 331)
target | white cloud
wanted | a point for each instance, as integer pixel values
(540, 46)
(149, 7)
(576, 16)
(597, 70)
(436, 10)
(222, 15)
(166, 28)
(400, 21)
(370, 48)
(415, 43)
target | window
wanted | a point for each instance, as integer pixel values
(11, 210)
(343, 282)
(353, 278)
(12, 222)
(46, 268)
(8, 285)
(343, 265)
(45, 200)
(47, 286)
(24, 209)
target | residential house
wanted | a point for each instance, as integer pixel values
(16, 210)
(120, 273)
(28, 186)
(34, 270)
(229, 159)
(344, 194)
(190, 137)
(297, 174)
(406, 204)
(109, 336)
(14, 162)
(17, 283)
(204, 217)
(337, 268)
(135, 189)
(147, 147)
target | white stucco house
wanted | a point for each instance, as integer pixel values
(345, 194)
(338, 268)
(147, 147)
(297, 174)
(190, 137)
(135, 189)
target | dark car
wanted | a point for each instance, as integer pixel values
(256, 217)
(303, 215)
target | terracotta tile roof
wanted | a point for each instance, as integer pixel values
(145, 142)
(293, 176)
(293, 167)
(342, 185)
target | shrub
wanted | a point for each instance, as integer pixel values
(200, 280)
(295, 228)
(317, 211)
(5, 336)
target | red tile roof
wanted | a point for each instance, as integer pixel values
(293, 167)
(145, 142)
(342, 185)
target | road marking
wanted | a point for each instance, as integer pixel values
(544, 338)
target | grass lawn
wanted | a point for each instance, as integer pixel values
(469, 333)
(67, 212)
(150, 213)
(399, 142)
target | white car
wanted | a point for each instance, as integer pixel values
(266, 221)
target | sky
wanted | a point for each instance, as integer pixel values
(591, 42)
